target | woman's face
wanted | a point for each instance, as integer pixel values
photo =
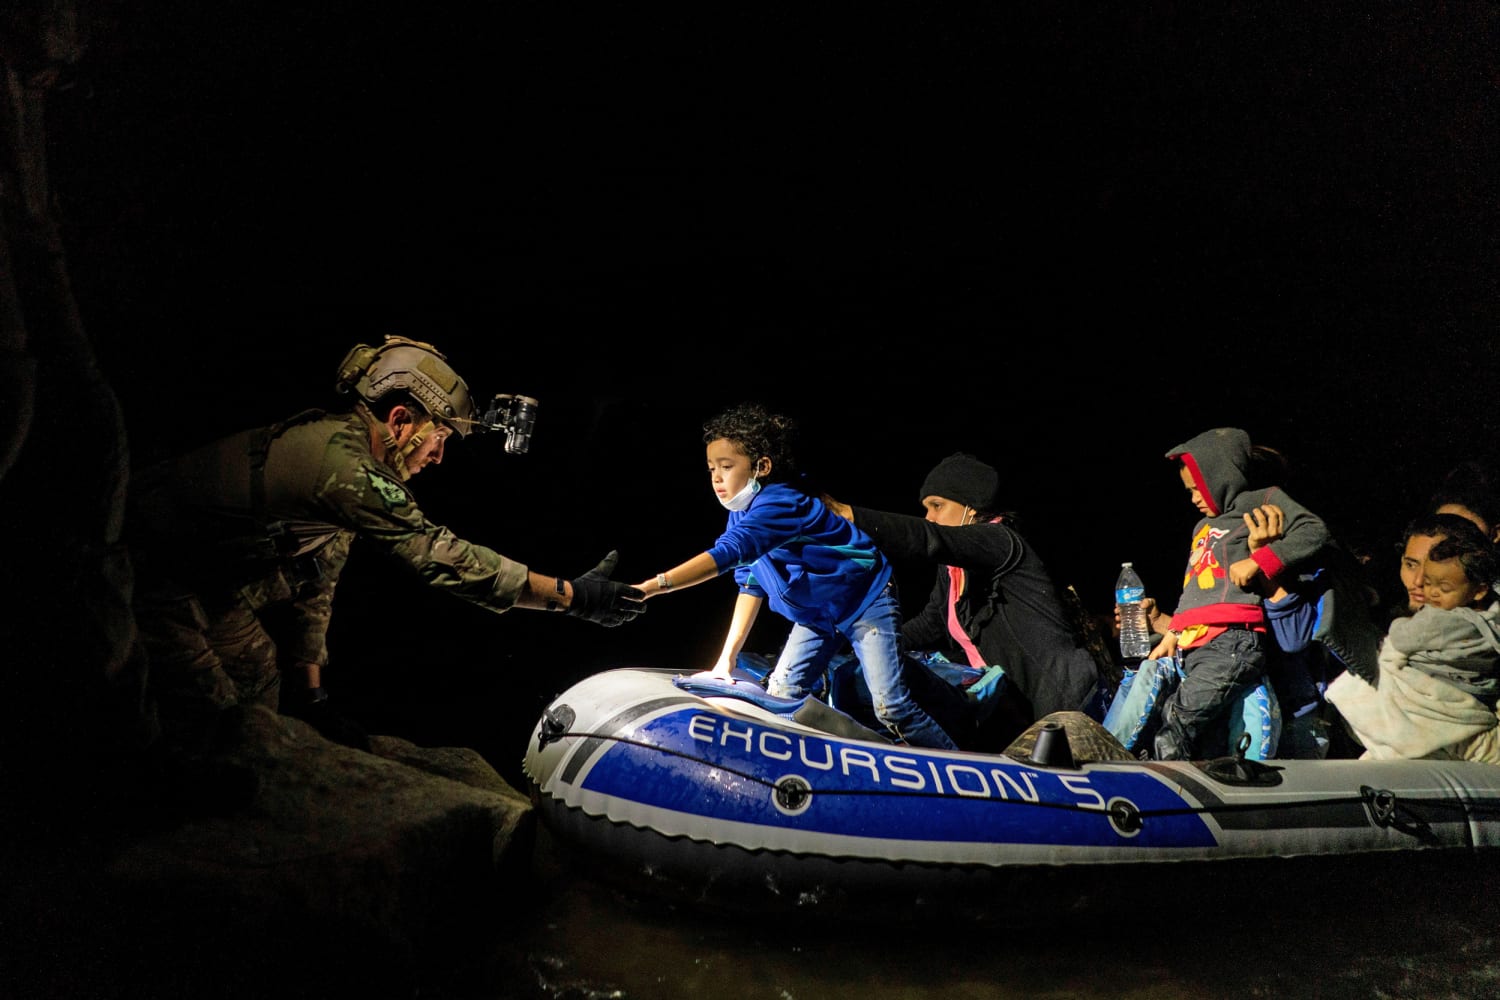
(941, 510)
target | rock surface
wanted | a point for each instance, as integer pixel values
(300, 868)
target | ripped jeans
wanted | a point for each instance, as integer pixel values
(875, 640)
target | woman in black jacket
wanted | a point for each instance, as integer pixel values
(993, 602)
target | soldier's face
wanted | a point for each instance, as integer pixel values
(430, 451)
(404, 425)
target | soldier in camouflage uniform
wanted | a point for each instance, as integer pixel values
(258, 525)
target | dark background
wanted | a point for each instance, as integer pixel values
(1063, 236)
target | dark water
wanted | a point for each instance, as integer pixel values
(1394, 928)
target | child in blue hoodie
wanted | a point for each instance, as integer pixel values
(1220, 621)
(815, 569)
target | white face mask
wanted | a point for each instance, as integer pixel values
(741, 500)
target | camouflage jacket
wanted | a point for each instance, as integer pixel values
(269, 514)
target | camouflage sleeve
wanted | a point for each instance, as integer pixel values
(383, 510)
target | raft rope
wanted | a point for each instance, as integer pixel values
(1386, 808)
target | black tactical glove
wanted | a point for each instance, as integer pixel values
(599, 599)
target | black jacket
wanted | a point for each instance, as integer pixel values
(1010, 607)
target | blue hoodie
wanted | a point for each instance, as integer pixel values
(813, 567)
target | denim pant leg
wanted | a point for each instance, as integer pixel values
(875, 639)
(1213, 675)
(802, 661)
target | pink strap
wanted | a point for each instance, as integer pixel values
(955, 587)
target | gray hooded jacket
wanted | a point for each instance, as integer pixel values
(1219, 461)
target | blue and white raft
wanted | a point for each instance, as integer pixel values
(703, 783)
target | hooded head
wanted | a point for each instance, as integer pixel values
(965, 479)
(1219, 462)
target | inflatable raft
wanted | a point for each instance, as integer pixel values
(727, 794)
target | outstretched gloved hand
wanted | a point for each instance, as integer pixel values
(599, 599)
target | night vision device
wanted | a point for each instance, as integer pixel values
(516, 416)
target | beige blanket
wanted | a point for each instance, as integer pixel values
(1410, 713)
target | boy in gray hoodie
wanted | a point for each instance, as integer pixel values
(1220, 622)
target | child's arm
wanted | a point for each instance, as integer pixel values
(687, 574)
(746, 608)
(1302, 536)
(1165, 648)
(1266, 524)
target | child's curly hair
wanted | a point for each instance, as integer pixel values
(1462, 540)
(757, 432)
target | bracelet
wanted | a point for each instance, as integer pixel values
(552, 605)
(662, 583)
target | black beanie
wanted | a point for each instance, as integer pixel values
(963, 478)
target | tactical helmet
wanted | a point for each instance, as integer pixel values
(402, 364)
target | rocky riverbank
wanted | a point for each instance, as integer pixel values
(296, 867)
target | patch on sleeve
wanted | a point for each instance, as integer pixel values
(389, 490)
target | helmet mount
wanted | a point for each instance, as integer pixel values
(415, 367)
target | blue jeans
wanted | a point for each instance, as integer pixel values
(1214, 674)
(874, 638)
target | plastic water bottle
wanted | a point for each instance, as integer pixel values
(1135, 631)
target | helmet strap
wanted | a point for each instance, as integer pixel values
(396, 454)
(412, 444)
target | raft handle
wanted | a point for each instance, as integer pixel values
(555, 722)
(1386, 811)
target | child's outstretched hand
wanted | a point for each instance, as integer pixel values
(653, 587)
